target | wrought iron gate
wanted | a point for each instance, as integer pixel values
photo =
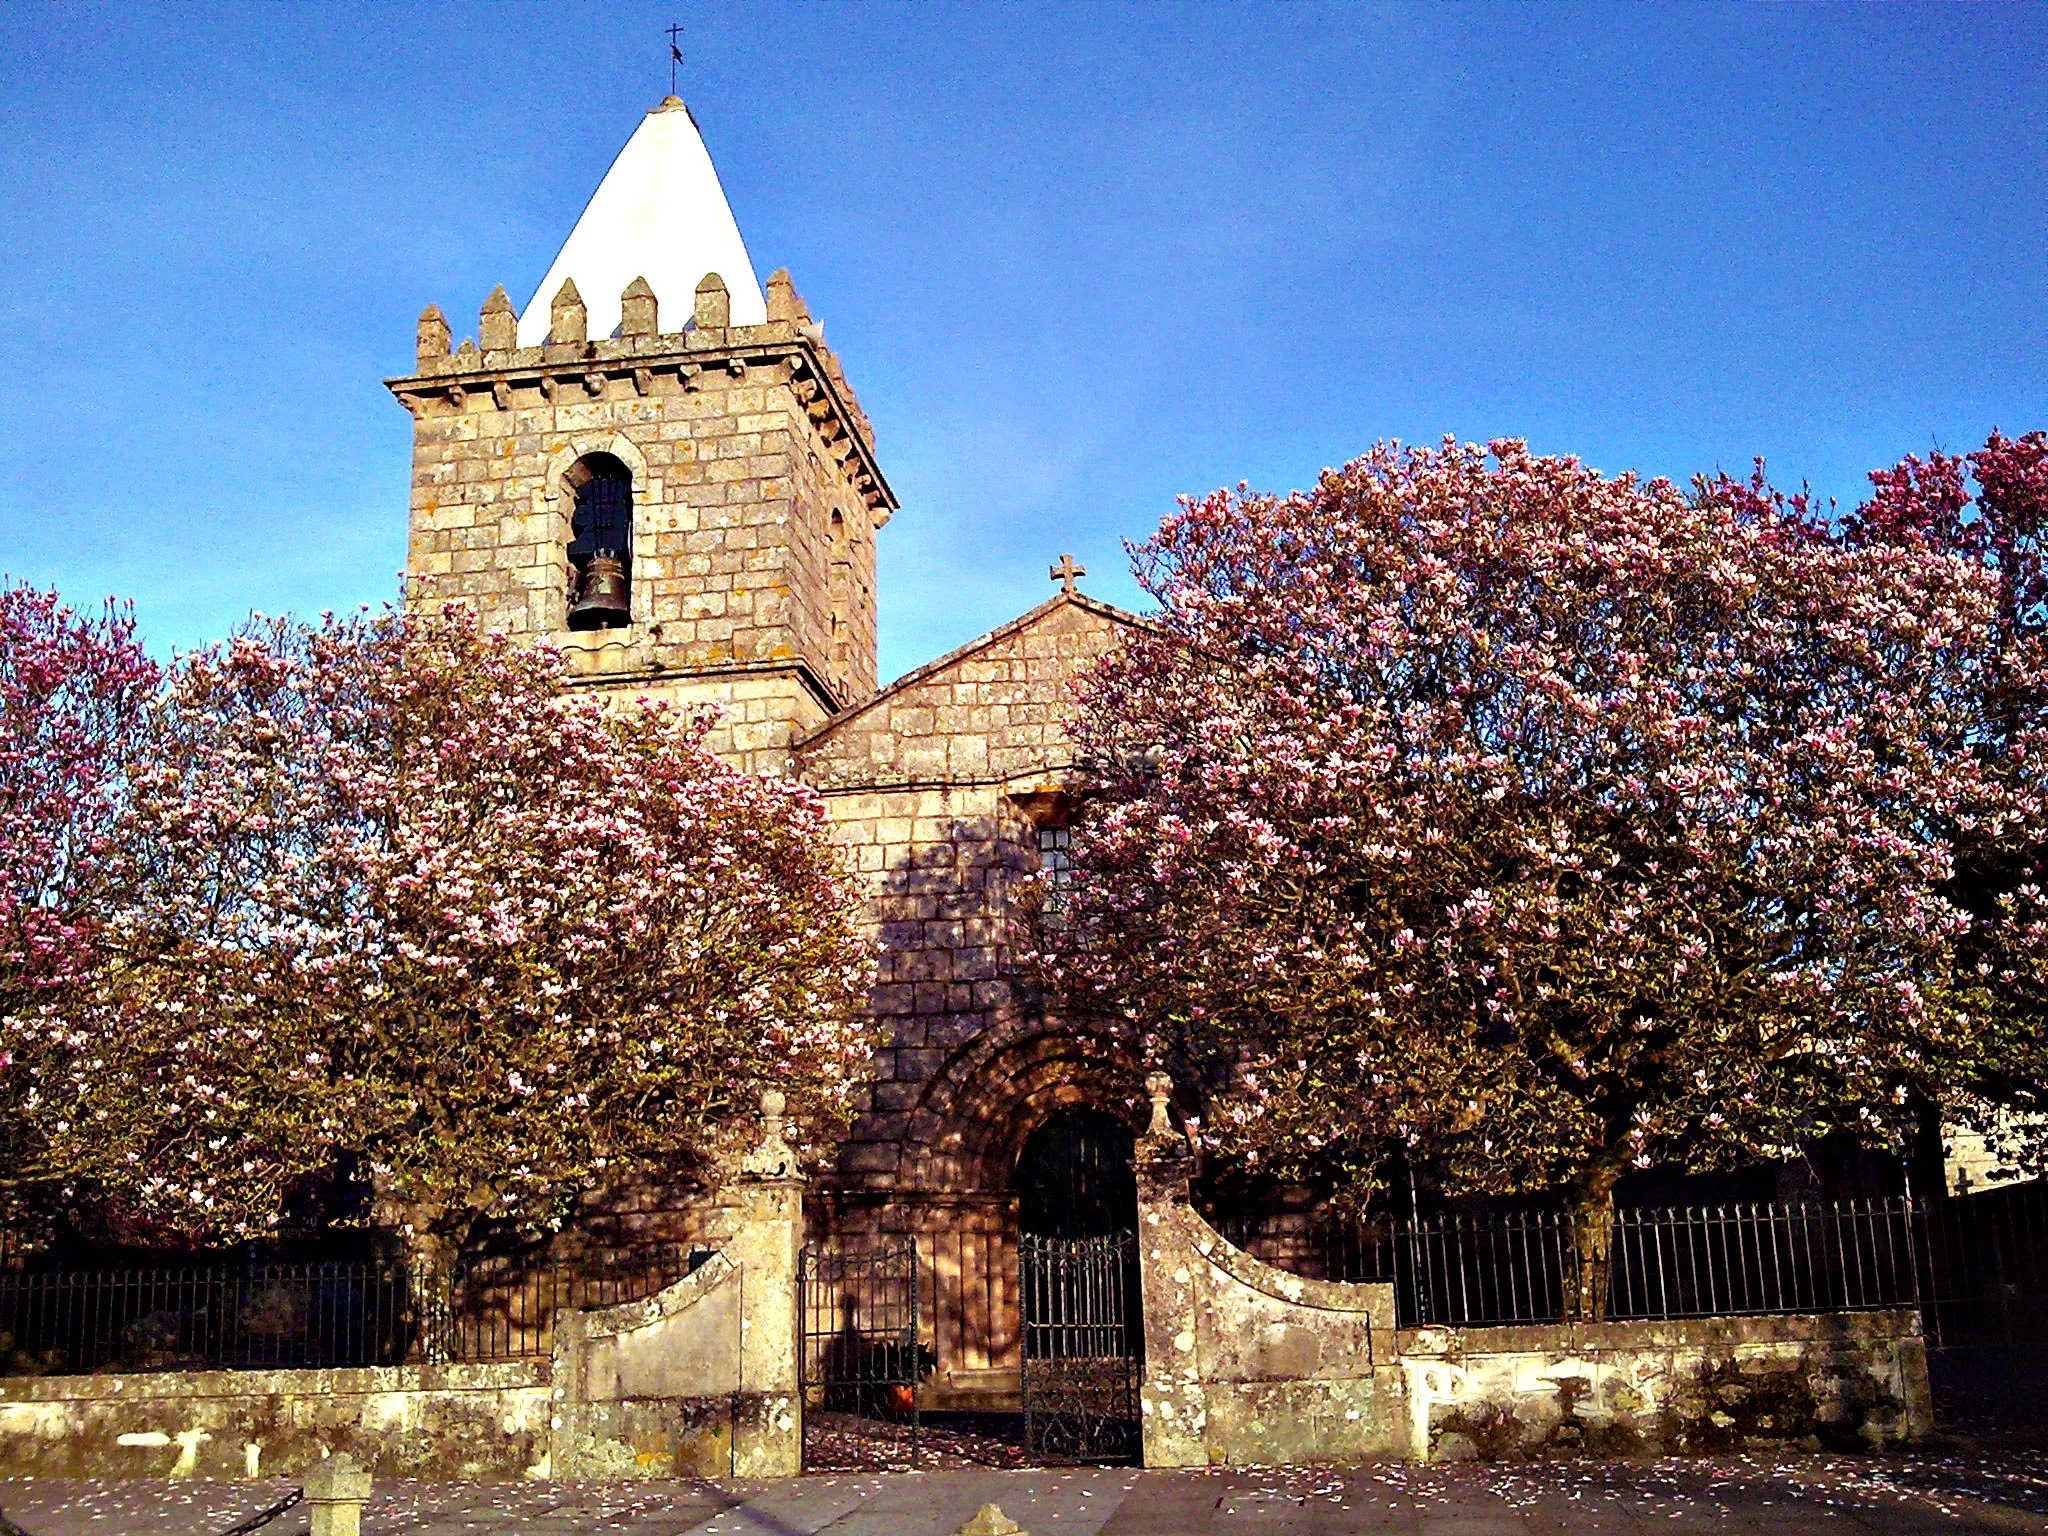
(861, 1359)
(1082, 1341)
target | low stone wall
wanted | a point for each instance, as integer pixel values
(454, 1421)
(1840, 1380)
(699, 1379)
(1246, 1364)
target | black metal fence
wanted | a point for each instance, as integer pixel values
(1719, 1261)
(55, 1318)
(1976, 1266)
(861, 1359)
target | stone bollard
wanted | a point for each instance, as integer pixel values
(335, 1491)
(990, 1521)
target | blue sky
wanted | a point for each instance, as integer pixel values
(1077, 260)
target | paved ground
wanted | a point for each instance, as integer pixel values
(1745, 1496)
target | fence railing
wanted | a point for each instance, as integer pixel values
(237, 1316)
(1976, 1266)
(1660, 1263)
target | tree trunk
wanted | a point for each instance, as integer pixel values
(430, 1265)
(429, 1273)
(1926, 1162)
(1592, 1235)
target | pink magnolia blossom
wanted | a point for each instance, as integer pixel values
(1531, 823)
(1990, 508)
(74, 694)
(404, 909)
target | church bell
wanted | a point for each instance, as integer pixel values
(603, 604)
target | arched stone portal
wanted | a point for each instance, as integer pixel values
(1026, 1127)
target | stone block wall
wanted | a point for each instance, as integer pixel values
(937, 789)
(943, 870)
(990, 713)
(762, 710)
(444, 1421)
(1841, 1381)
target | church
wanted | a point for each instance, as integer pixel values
(660, 467)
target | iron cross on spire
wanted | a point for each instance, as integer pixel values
(675, 54)
(1066, 572)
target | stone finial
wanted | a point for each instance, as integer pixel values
(335, 1493)
(991, 1521)
(1159, 1087)
(568, 320)
(771, 1157)
(1165, 1163)
(498, 327)
(638, 310)
(714, 304)
(783, 302)
(431, 340)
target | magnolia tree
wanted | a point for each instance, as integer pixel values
(1538, 824)
(1990, 509)
(74, 696)
(400, 904)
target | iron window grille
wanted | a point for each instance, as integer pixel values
(1056, 860)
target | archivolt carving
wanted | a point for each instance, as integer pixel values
(977, 1110)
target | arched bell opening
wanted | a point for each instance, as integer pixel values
(1074, 1176)
(600, 543)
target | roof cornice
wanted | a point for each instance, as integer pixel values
(679, 355)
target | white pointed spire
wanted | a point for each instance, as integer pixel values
(660, 214)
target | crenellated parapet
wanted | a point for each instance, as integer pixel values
(644, 361)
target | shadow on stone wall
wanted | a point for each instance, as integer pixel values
(974, 1059)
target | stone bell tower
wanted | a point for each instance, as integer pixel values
(658, 467)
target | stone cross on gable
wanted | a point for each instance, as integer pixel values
(1066, 571)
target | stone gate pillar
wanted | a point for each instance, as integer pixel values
(1170, 1402)
(768, 1410)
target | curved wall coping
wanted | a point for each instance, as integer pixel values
(1374, 1297)
(628, 1316)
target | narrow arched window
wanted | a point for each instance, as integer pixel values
(601, 543)
(840, 592)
